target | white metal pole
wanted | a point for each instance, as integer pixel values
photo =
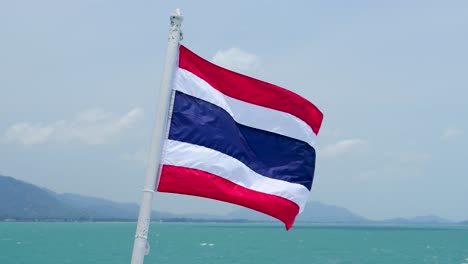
(153, 170)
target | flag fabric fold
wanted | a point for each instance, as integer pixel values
(240, 140)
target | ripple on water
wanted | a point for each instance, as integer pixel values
(206, 244)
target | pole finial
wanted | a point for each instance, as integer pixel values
(176, 22)
(176, 17)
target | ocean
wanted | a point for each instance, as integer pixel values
(185, 243)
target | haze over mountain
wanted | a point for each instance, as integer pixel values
(26, 202)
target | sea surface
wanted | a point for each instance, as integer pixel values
(177, 243)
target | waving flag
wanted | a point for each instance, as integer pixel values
(239, 140)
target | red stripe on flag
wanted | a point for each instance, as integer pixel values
(189, 181)
(251, 90)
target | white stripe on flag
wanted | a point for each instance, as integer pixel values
(247, 114)
(188, 155)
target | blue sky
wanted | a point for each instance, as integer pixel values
(79, 80)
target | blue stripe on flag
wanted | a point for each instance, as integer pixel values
(279, 157)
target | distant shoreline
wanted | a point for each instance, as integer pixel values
(233, 221)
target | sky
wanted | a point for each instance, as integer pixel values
(79, 83)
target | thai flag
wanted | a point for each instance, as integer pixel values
(239, 140)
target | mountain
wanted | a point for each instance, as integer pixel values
(22, 200)
(323, 213)
(26, 202)
(420, 220)
(102, 209)
(314, 212)
(97, 208)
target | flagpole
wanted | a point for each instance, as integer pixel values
(153, 170)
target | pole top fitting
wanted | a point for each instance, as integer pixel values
(176, 18)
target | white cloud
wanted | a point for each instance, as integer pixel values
(451, 133)
(93, 126)
(29, 134)
(237, 60)
(341, 147)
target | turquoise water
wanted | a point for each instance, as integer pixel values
(80, 243)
